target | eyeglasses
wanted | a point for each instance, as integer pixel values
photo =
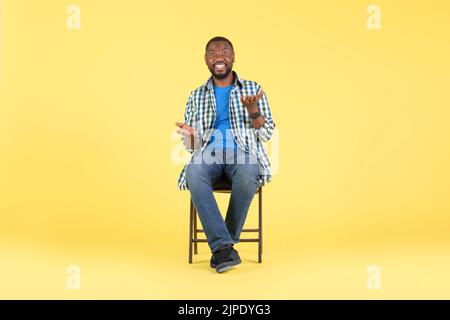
(215, 54)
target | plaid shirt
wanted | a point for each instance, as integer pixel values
(200, 114)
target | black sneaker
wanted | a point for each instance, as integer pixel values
(213, 263)
(226, 258)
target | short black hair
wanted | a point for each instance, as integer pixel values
(219, 39)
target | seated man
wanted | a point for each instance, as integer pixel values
(224, 121)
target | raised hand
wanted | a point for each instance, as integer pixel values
(184, 129)
(251, 102)
(188, 134)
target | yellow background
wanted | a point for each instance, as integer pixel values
(86, 124)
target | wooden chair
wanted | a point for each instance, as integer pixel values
(223, 187)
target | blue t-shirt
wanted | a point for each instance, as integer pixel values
(222, 122)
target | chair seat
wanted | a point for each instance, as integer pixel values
(224, 186)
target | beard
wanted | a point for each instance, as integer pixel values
(221, 75)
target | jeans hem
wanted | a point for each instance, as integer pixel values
(221, 245)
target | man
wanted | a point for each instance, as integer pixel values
(225, 120)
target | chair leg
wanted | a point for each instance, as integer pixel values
(191, 224)
(260, 226)
(195, 231)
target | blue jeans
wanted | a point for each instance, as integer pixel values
(207, 170)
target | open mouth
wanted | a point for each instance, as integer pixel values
(220, 67)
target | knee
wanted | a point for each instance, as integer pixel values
(191, 172)
(195, 175)
(247, 176)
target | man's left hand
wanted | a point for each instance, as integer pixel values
(251, 102)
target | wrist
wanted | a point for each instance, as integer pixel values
(252, 109)
(255, 115)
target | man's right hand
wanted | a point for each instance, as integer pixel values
(188, 134)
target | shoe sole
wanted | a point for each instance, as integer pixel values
(227, 266)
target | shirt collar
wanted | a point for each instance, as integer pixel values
(209, 84)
